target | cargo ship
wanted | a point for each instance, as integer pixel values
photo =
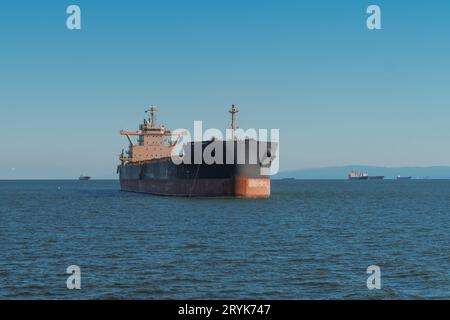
(403, 178)
(363, 176)
(148, 165)
(358, 176)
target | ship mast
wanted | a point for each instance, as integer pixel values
(233, 112)
(151, 111)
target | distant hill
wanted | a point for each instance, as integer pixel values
(436, 172)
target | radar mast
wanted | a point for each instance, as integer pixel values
(151, 119)
(233, 112)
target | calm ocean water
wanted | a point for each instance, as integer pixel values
(311, 240)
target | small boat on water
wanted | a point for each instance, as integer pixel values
(403, 178)
(83, 177)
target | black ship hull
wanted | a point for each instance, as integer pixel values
(243, 178)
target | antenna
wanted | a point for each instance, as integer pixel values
(151, 112)
(233, 112)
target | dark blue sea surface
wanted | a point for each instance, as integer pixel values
(310, 240)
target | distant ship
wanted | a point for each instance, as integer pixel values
(403, 178)
(358, 176)
(83, 177)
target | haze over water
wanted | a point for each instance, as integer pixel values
(311, 239)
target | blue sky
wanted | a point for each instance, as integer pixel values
(339, 93)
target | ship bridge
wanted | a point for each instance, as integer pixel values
(153, 142)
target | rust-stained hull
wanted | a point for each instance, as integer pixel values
(243, 178)
(237, 187)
